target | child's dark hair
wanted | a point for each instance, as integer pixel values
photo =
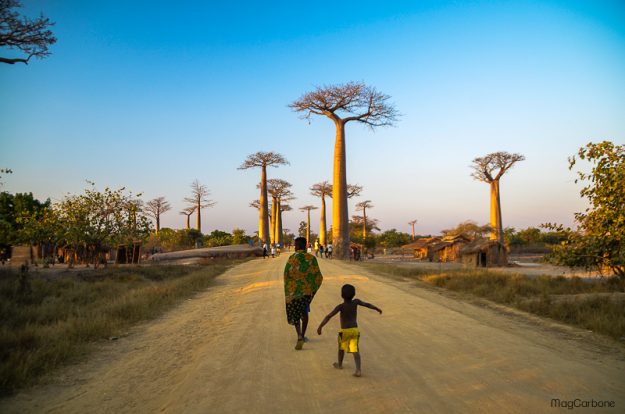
(348, 292)
(300, 243)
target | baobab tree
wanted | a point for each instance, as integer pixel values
(280, 191)
(198, 199)
(490, 169)
(342, 104)
(187, 212)
(155, 208)
(307, 209)
(363, 206)
(263, 160)
(412, 223)
(322, 190)
(31, 37)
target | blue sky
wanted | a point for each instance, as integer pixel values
(151, 95)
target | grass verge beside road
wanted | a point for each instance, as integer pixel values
(50, 318)
(597, 305)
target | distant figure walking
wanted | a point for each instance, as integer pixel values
(349, 335)
(273, 251)
(302, 279)
(264, 250)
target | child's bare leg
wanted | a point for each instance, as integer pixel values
(357, 362)
(339, 365)
(304, 324)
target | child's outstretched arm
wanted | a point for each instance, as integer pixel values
(327, 318)
(368, 305)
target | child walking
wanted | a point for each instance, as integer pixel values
(349, 333)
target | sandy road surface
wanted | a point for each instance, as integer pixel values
(229, 350)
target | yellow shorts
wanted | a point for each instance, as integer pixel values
(348, 339)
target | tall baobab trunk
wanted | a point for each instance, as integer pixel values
(263, 225)
(322, 222)
(158, 223)
(364, 225)
(495, 213)
(198, 218)
(308, 228)
(279, 235)
(274, 220)
(340, 230)
(188, 221)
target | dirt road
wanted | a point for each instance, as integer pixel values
(229, 350)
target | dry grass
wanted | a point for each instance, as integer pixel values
(597, 305)
(47, 321)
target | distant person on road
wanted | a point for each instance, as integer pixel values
(302, 279)
(264, 250)
(273, 251)
(349, 334)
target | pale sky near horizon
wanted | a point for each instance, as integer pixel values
(151, 95)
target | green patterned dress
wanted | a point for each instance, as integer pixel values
(302, 279)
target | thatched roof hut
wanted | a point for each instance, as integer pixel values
(419, 248)
(448, 249)
(484, 253)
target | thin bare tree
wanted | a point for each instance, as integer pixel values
(31, 37)
(187, 212)
(198, 199)
(490, 169)
(363, 206)
(307, 209)
(412, 223)
(155, 208)
(353, 190)
(342, 104)
(263, 160)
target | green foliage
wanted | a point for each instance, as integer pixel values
(600, 241)
(218, 238)
(239, 237)
(468, 228)
(18, 211)
(393, 238)
(98, 219)
(532, 236)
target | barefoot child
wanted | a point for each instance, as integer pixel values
(349, 333)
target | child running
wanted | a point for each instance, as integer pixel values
(349, 333)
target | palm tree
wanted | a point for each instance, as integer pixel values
(263, 160)
(307, 209)
(363, 206)
(342, 104)
(155, 208)
(198, 199)
(412, 223)
(484, 170)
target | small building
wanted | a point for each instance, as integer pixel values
(419, 248)
(484, 253)
(447, 249)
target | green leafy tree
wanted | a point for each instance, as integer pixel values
(393, 238)
(469, 228)
(600, 240)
